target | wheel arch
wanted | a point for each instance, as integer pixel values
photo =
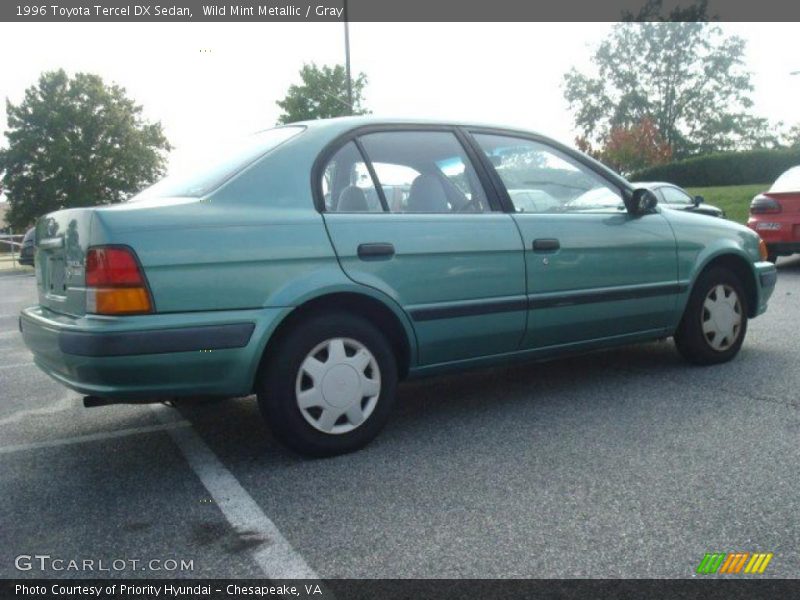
(388, 318)
(742, 267)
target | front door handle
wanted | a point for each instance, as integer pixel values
(546, 245)
(375, 250)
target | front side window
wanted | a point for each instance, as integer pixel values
(675, 196)
(540, 179)
(424, 172)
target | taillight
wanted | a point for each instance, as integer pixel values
(763, 205)
(763, 251)
(115, 284)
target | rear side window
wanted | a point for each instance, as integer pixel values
(347, 185)
(216, 166)
(414, 172)
(424, 172)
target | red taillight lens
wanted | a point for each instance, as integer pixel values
(112, 266)
(762, 205)
(115, 283)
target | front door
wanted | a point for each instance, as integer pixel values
(407, 214)
(594, 271)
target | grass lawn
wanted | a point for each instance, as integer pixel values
(733, 199)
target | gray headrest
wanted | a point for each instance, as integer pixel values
(427, 195)
(352, 199)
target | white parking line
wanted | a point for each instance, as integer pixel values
(93, 437)
(276, 558)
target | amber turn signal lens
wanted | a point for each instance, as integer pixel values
(762, 249)
(118, 301)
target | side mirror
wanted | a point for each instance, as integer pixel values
(642, 201)
(698, 200)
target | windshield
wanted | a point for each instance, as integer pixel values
(199, 176)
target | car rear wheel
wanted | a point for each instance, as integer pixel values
(714, 323)
(328, 385)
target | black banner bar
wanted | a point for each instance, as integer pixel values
(396, 589)
(40, 11)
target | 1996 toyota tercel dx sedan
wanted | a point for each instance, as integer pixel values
(319, 263)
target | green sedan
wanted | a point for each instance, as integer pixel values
(319, 263)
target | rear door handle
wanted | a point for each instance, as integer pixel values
(375, 250)
(546, 245)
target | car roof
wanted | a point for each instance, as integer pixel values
(364, 120)
(339, 125)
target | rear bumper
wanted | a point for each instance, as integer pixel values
(147, 356)
(784, 248)
(781, 232)
(767, 278)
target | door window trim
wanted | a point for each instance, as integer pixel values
(496, 204)
(372, 174)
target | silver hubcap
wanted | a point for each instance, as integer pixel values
(722, 317)
(338, 385)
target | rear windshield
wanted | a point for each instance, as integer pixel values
(788, 182)
(218, 165)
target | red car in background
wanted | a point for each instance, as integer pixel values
(775, 215)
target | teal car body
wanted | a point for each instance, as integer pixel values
(229, 267)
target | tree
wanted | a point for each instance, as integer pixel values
(687, 77)
(323, 94)
(629, 149)
(76, 142)
(793, 136)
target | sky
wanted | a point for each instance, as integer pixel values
(211, 81)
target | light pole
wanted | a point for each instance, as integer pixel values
(347, 60)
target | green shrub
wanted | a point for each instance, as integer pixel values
(726, 168)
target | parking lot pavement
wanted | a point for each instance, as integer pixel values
(624, 463)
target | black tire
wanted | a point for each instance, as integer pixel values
(772, 257)
(277, 398)
(690, 340)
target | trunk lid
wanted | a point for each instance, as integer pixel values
(62, 239)
(789, 201)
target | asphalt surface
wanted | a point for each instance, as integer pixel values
(624, 463)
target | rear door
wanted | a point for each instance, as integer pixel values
(408, 215)
(593, 270)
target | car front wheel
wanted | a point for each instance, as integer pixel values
(715, 320)
(328, 385)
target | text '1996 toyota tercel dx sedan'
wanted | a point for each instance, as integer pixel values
(319, 263)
